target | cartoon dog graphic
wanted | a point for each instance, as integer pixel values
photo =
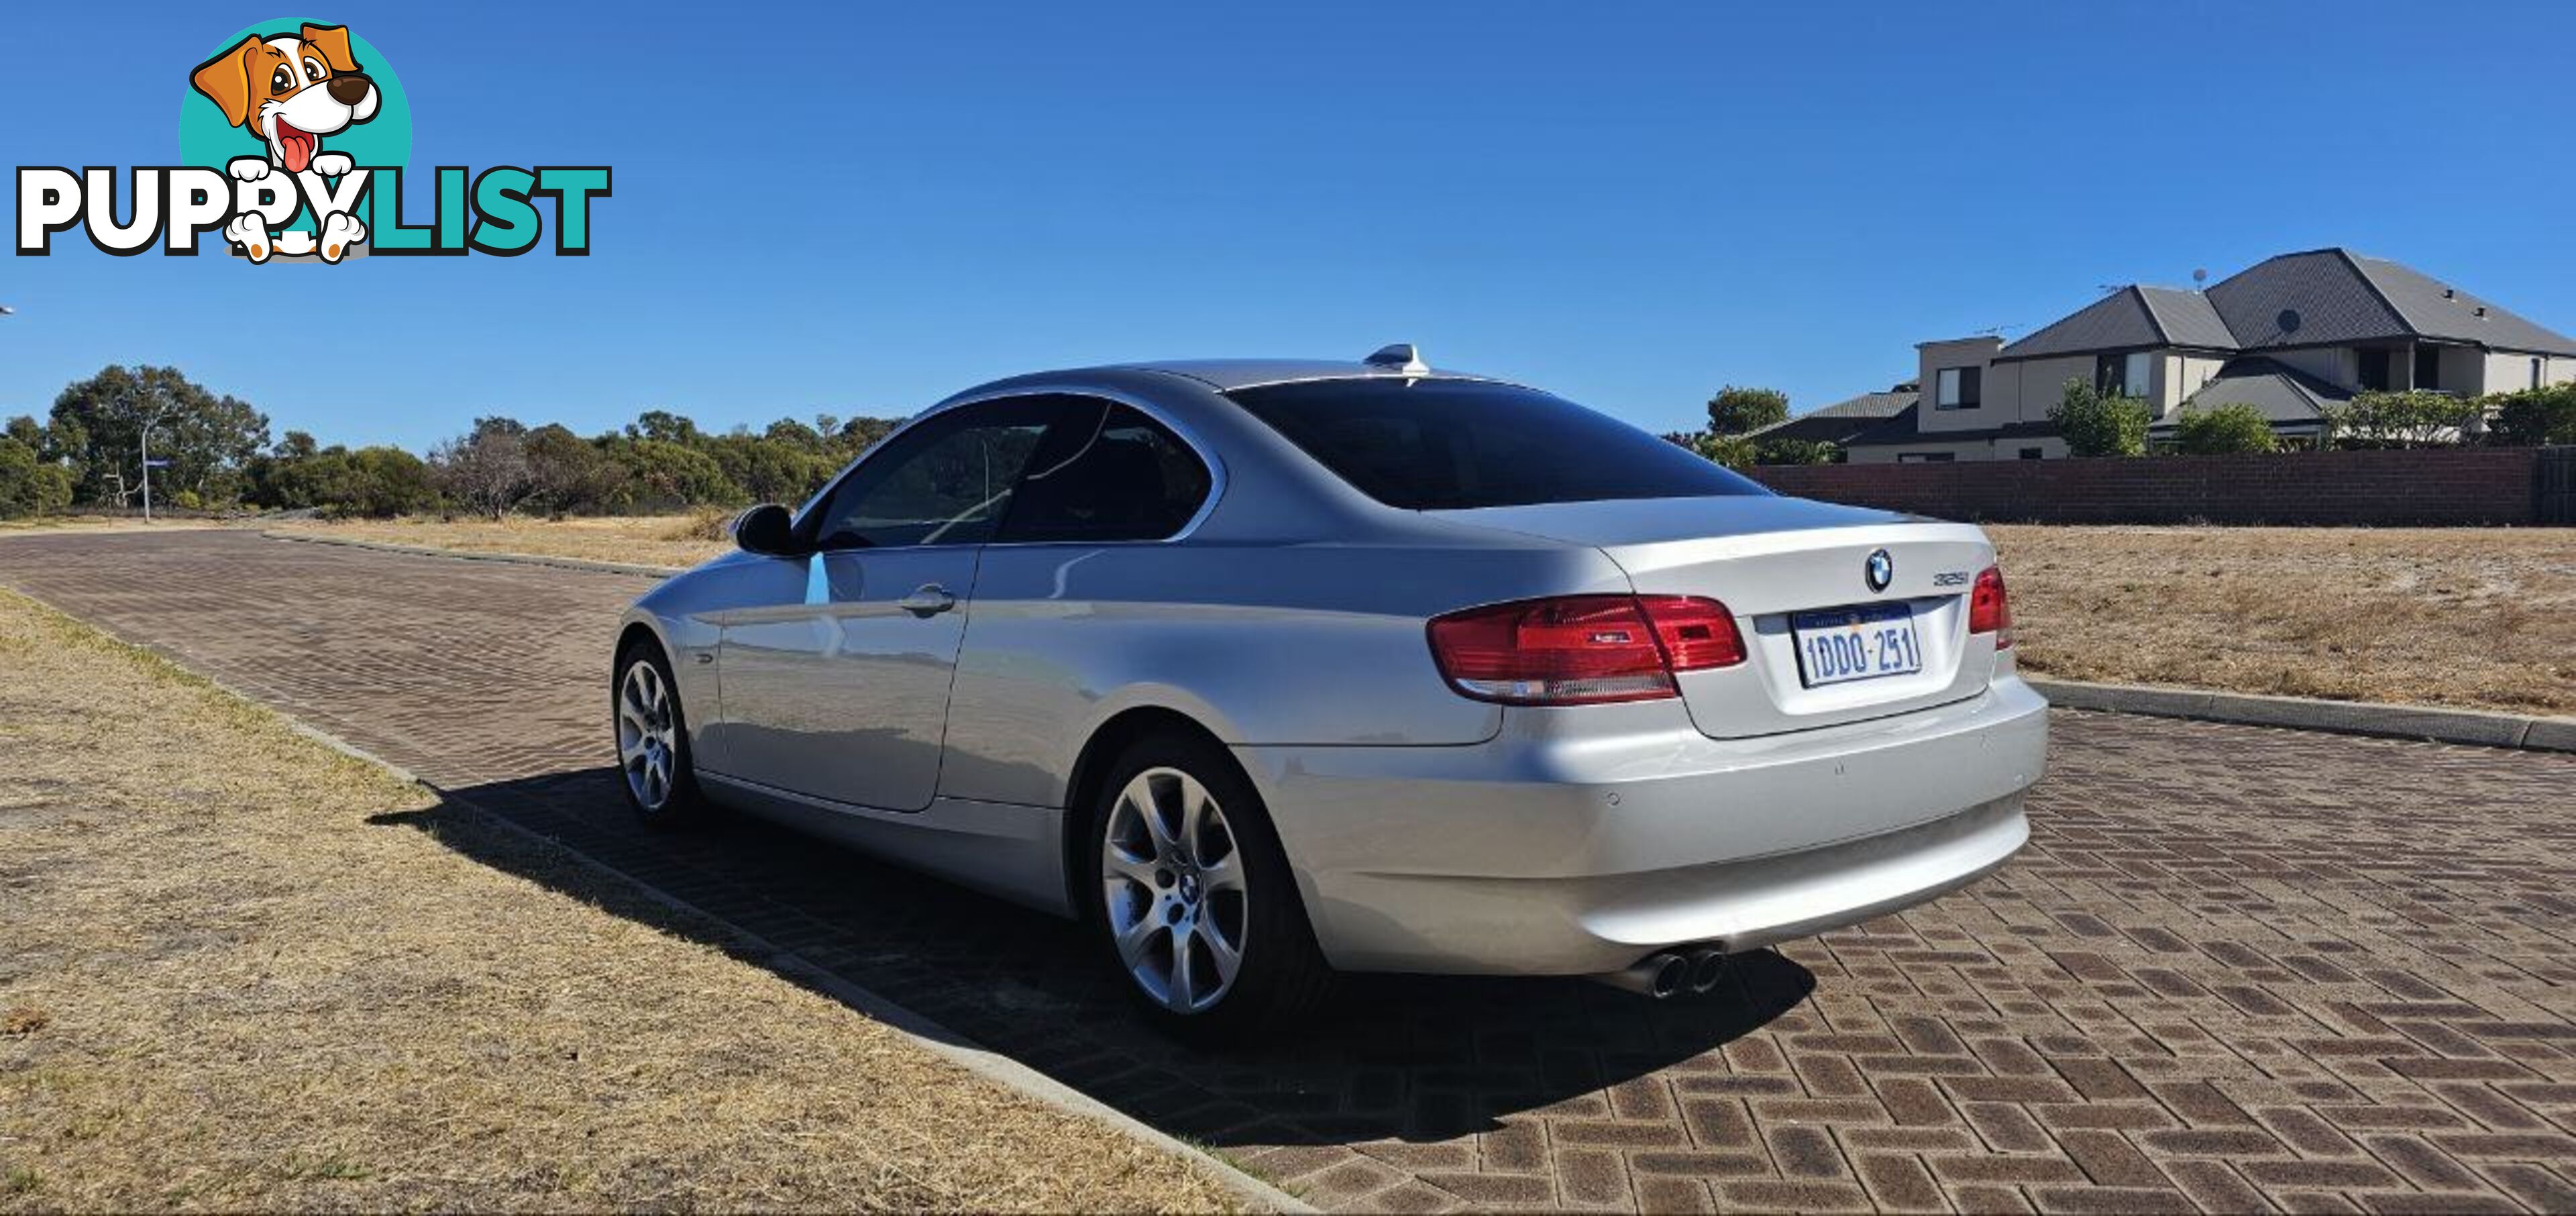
(290, 91)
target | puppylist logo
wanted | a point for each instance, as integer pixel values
(295, 136)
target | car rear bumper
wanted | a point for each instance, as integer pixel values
(1578, 841)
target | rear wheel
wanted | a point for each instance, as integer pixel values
(1192, 897)
(653, 739)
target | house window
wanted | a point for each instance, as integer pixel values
(2030, 453)
(1926, 457)
(1958, 388)
(2123, 375)
(2428, 367)
(2535, 373)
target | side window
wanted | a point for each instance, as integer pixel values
(1112, 474)
(947, 481)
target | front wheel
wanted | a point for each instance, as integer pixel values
(1193, 898)
(653, 739)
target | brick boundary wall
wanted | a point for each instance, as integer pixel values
(2422, 486)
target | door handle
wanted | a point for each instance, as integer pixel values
(929, 599)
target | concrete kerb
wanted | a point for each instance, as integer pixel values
(2303, 713)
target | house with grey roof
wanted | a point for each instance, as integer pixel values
(1843, 421)
(2287, 336)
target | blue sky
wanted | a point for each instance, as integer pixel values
(857, 209)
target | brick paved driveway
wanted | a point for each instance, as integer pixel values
(2237, 969)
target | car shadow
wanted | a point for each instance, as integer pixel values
(1391, 1058)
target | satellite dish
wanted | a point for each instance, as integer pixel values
(2199, 275)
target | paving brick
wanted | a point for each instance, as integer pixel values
(1988, 1199)
(2110, 1160)
(2245, 967)
(1806, 1152)
(2215, 1187)
(2116, 1200)
(2543, 1190)
(1899, 1183)
(1675, 1195)
(1592, 1176)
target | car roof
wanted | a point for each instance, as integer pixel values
(1226, 375)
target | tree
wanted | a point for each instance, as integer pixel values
(29, 485)
(664, 426)
(206, 438)
(2417, 418)
(858, 434)
(2099, 424)
(1736, 411)
(570, 474)
(2535, 416)
(2223, 430)
(486, 471)
(662, 475)
(772, 470)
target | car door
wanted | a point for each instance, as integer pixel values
(842, 693)
(1078, 582)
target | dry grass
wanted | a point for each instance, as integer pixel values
(225, 988)
(649, 540)
(2477, 617)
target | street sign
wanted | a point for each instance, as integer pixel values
(156, 464)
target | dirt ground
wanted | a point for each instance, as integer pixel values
(2477, 617)
(241, 974)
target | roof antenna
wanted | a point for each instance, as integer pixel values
(1399, 356)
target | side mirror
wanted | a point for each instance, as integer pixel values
(766, 530)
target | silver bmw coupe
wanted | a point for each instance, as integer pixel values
(1269, 670)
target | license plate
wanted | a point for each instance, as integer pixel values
(1837, 645)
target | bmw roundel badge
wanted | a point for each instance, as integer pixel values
(1879, 571)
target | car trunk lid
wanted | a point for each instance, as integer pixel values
(1773, 561)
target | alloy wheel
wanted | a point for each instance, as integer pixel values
(1173, 889)
(647, 741)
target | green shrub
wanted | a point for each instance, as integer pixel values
(29, 486)
(2223, 431)
(2418, 418)
(2534, 417)
(2097, 424)
(1793, 451)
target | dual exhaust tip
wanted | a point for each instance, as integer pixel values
(1670, 973)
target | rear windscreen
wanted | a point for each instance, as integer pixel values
(1432, 445)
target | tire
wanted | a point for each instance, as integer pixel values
(1167, 897)
(652, 738)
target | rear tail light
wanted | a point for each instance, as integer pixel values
(1583, 649)
(1989, 609)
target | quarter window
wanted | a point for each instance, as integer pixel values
(946, 481)
(1109, 474)
(1958, 388)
